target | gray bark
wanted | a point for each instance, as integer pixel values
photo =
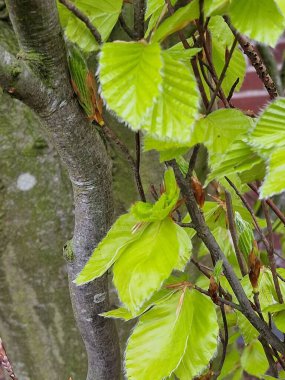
(80, 148)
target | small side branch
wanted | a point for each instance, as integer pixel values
(77, 12)
(18, 80)
(255, 60)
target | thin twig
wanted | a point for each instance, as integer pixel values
(77, 12)
(232, 90)
(139, 11)
(271, 204)
(125, 27)
(232, 228)
(201, 268)
(209, 59)
(194, 64)
(225, 342)
(185, 225)
(135, 164)
(219, 299)
(137, 167)
(255, 60)
(5, 362)
(222, 76)
(270, 252)
(192, 162)
(255, 222)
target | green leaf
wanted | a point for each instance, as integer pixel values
(281, 5)
(222, 40)
(130, 78)
(248, 332)
(185, 248)
(150, 352)
(274, 182)
(103, 16)
(239, 158)
(184, 321)
(270, 127)
(261, 20)
(147, 212)
(174, 113)
(231, 363)
(218, 269)
(202, 342)
(215, 7)
(122, 313)
(109, 249)
(253, 359)
(83, 81)
(181, 18)
(150, 260)
(179, 53)
(278, 316)
(167, 149)
(245, 235)
(220, 129)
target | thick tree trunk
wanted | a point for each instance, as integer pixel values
(43, 83)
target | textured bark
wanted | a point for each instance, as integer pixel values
(38, 32)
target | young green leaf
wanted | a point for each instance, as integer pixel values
(102, 14)
(147, 212)
(239, 158)
(218, 269)
(220, 129)
(216, 7)
(159, 339)
(130, 78)
(253, 359)
(274, 182)
(146, 263)
(203, 337)
(174, 113)
(167, 149)
(270, 127)
(248, 332)
(261, 20)
(245, 235)
(179, 53)
(109, 249)
(181, 18)
(122, 313)
(185, 248)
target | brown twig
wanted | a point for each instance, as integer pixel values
(270, 252)
(232, 228)
(77, 12)
(125, 27)
(255, 60)
(222, 76)
(192, 162)
(5, 362)
(271, 204)
(137, 167)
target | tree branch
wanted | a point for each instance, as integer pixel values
(37, 28)
(206, 236)
(255, 60)
(77, 12)
(19, 80)
(82, 151)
